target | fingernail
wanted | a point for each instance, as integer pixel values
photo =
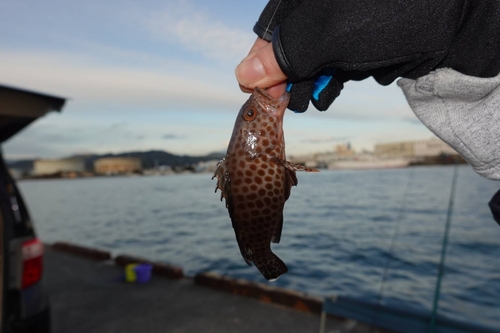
(249, 71)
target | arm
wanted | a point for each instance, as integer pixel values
(386, 40)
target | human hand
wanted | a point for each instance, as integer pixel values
(363, 38)
(260, 69)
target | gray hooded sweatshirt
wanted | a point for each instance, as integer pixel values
(464, 111)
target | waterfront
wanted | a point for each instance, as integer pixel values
(336, 234)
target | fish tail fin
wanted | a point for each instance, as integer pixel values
(271, 266)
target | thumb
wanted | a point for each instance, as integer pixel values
(260, 68)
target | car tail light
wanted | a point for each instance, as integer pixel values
(32, 251)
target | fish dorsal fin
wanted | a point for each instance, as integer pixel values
(223, 181)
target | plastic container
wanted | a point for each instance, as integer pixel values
(130, 275)
(143, 272)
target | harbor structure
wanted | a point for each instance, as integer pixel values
(117, 165)
(414, 149)
(52, 166)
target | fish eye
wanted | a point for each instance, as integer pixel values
(249, 114)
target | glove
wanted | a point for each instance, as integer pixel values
(386, 40)
(321, 90)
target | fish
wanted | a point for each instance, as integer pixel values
(255, 180)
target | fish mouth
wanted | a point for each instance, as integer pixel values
(276, 105)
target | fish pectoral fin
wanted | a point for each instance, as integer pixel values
(293, 166)
(290, 180)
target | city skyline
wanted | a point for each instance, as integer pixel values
(160, 75)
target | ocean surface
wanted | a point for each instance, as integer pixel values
(336, 236)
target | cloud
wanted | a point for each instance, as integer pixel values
(85, 79)
(118, 125)
(169, 136)
(196, 30)
(327, 139)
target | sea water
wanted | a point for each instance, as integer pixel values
(336, 237)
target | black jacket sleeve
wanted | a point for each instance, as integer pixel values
(385, 39)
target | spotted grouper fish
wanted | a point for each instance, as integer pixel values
(255, 179)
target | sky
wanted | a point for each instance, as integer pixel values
(143, 75)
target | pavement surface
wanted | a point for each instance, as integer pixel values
(90, 296)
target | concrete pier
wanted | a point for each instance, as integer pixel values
(89, 295)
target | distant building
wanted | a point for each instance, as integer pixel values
(394, 149)
(117, 165)
(432, 147)
(207, 166)
(344, 150)
(50, 167)
(422, 148)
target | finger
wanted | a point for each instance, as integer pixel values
(259, 43)
(277, 90)
(260, 68)
(274, 91)
(245, 89)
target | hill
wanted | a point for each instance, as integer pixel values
(149, 159)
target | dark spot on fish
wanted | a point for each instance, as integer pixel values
(269, 128)
(269, 186)
(248, 173)
(261, 172)
(265, 142)
(266, 211)
(264, 166)
(272, 133)
(258, 180)
(239, 173)
(262, 192)
(277, 191)
(250, 204)
(253, 167)
(248, 180)
(244, 189)
(255, 212)
(271, 172)
(253, 187)
(263, 132)
(242, 206)
(251, 196)
(242, 164)
(259, 203)
(268, 179)
(237, 181)
(267, 201)
(239, 197)
(277, 183)
(270, 193)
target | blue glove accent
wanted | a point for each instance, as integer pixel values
(289, 86)
(320, 84)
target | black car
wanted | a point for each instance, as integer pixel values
(24, 305)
